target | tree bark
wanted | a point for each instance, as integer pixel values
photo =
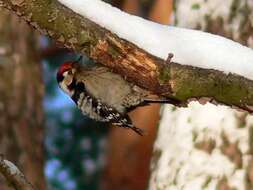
(21, 89)
(174, 81)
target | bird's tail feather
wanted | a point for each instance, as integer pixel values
(139, 131)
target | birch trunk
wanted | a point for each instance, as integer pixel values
(206, 146)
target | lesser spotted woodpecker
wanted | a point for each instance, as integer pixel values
(101, 94)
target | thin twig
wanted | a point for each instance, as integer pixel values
(13, 175)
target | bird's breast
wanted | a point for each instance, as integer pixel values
(87, 105)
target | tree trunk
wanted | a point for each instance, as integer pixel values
(207, 147)
(21, 89)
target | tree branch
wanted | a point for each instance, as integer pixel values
(14, 176)
(175, 81)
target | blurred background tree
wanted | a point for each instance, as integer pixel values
(21, 93)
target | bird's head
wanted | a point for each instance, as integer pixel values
(65, 76)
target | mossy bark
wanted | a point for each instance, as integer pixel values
(188, 82)
(173, 81)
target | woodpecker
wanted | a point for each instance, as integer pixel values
(101, 94)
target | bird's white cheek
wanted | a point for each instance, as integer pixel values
(66, 90)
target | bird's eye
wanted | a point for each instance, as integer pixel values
(70, 72)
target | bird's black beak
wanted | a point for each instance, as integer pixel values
(59, 77)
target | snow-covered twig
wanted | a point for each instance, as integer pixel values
(13, 175)
(205, 61)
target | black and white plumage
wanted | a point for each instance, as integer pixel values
(101, 94)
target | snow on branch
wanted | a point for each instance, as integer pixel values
(13, 175)
(190, 47)
(204, 65)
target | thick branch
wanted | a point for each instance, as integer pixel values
(174, 81)
(13, 175)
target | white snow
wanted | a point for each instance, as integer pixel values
(12, 168)
(190, 47)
